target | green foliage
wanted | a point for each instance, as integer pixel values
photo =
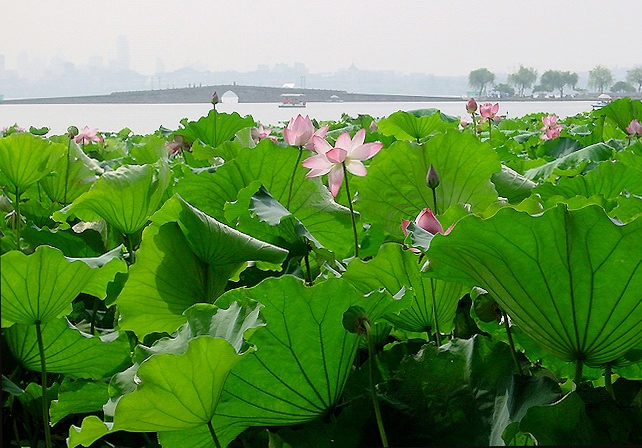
(571, 288)
(237, 316)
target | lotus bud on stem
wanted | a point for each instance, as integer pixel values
(433, 181)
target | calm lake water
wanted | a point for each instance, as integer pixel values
(146, 118)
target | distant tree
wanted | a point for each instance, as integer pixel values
(571, 79)
(600, 78)
(634, 76)
(480, 78)
(623, 87)
(504, 90)
(555, 79)
(523, 79)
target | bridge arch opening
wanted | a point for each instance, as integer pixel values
(229, 97)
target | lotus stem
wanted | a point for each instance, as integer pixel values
(43, 371)
(433, 291)
(579, 365)
(434, 201)
(354, 224)
(511, 343)
(296, 165)
(307, 264)
(474, 125)
(18, 219)
(490, 129)
(64, 198)
(93, 316)
(213, 434)
(130, 248)
(608, 385)
(373, 393)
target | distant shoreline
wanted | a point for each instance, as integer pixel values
(259, 94)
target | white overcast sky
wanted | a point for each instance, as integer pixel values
(442, 37)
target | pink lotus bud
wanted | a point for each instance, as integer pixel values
(471, 106)
(634, 128)
(432, 178)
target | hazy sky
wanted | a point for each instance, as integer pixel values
(443, 37)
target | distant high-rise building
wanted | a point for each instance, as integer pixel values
(122, 54)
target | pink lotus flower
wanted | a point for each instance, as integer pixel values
(350, 153)
(300, 132)
(551, 128)
(634, 129)
(261, 133)
(87, 136)
(471, 106)
(426, 220)
(177, 146)
(488, 111)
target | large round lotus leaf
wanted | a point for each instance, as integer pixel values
(570, 279)
(40, 287)
(25, 159)
(125, 198)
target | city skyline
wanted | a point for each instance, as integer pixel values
(433, 37)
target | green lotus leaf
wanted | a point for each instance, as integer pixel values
(231, 324)
(512, 185)
(41, 286)
(446, 395)
(87, 243)
(178, 391)
(564, 423)
(125, 198)
(78, 397)
(215, 128)
(149, 149)
(303, 357)
(568, 279)
(91, 429)
(591, 154)
(515, 397)
(25, 159)
(621, 111)
(395, 186)
(73, 174)
(69, 351)
(395, 269)
(185, 257)
(272, 166)
(415, 126)
(609, 179)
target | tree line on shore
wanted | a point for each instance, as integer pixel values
(600, 79)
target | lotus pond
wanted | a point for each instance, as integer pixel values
(413, 280)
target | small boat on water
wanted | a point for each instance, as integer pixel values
(292, 100)
(602, 101)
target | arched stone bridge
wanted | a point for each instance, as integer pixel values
(246, 94)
